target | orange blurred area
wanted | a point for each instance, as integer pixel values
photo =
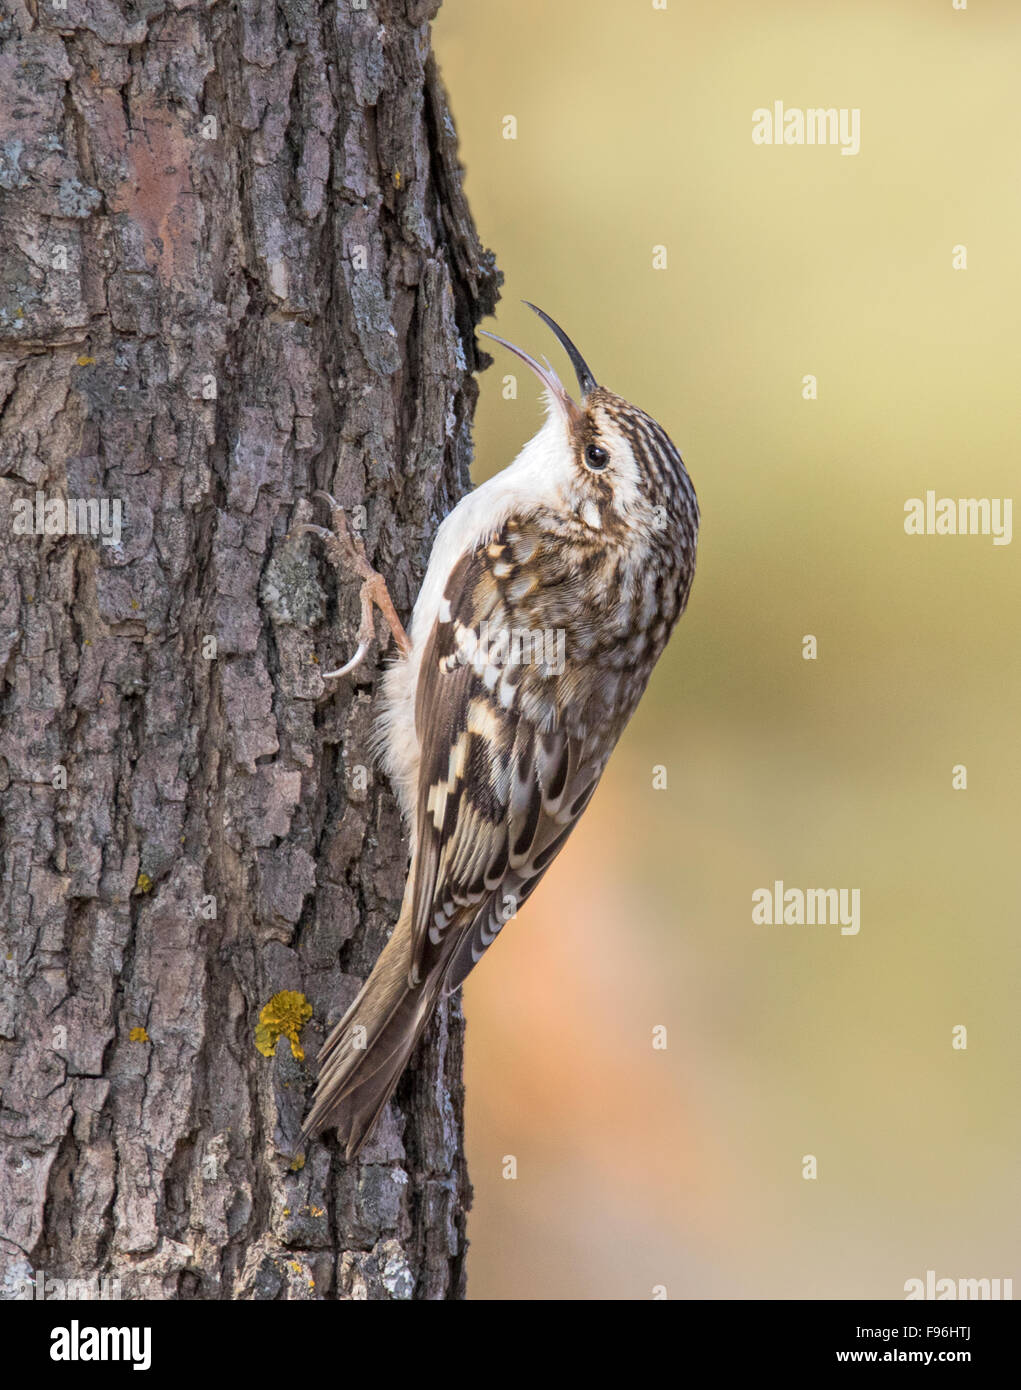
(681, 1167)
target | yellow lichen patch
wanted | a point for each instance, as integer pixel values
(86, 361)
(297, 1163)
(397, 178)
(143, 884)
(282, 1017)
(138, 1035)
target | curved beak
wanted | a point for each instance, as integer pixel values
(546, 374)
(586, 381)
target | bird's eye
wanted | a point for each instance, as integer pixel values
(596, 457)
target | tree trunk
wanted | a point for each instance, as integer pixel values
(237, 266)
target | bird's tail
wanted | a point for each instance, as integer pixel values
(363, 1058)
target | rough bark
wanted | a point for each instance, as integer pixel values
(208, 319)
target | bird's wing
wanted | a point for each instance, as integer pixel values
(501, 782)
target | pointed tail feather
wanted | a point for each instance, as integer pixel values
(363, 1058)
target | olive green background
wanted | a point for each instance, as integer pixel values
(682, 1168)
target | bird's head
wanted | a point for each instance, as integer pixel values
(618, 462)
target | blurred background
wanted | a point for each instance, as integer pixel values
(681, 1168)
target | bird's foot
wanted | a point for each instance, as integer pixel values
(346, 552)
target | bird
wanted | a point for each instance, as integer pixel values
(549, 595)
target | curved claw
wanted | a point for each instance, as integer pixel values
(356, 660)
(346, 551)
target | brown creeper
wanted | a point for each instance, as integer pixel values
(550, 593)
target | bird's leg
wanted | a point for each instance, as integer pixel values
(346, 552)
